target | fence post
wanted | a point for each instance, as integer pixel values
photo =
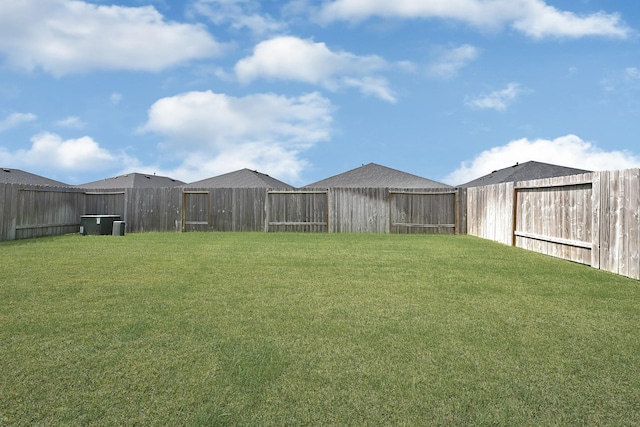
(266, 212)
(514, 213)
(327, 207)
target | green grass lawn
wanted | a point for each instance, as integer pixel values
(311, 329)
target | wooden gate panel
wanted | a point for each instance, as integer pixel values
(423, 212)
(303, 211)
(195, 211)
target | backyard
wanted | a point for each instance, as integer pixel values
(311, 329)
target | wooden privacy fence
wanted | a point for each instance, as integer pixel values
(591, 218)
(335, 210)
(223, 209)
(39, 212)
(364, 210)
(32, 211)
(28, 211)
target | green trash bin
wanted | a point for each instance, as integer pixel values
(97, 224)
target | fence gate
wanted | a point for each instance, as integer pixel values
(195, 210)
(432, 212)
(297, 211)
(555, 218)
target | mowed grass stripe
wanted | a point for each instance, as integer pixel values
(276, 329)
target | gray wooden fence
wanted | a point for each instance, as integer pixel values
(223, 209)
(32, 211)
(591, 218)
(29, 211)
(364, 210)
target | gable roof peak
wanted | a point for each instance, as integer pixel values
(241, 178)
(374, 175)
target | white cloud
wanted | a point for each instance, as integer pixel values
(569, 151)
(498, 100)
(49, 151)
(211, 133)
(71, 122)
(632, 73)
(115, 98)
(292, 58)
(541, 20)
(533, 18)
(451, 61)
(239, 14)
(70, 36)
(374, 86)
(16, 119)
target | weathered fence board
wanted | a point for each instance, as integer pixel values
(431, 212)
(553, 217)
(589, 218)
(605, 221)
(36, 211)
(8, 210)
(359, 210)
(490, 212)
(224, 209)
(461, 206)
(619, 222)
(100, 202)
(612, 252)
(302, 211)
(152, 209)
(632, 226)
(248, 209)
(195, 210)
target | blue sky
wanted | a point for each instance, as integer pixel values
(303, 90)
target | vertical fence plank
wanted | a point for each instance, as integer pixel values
(633, 224)
(462, 211)
(605, 222)
(596, 218)
(11, 211)
(623, 222)
(614, 203)
(4, 205)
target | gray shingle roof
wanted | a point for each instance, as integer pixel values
(524, 172)
(376, 176)
(17, 176)
(133, 180)
(243, 178)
